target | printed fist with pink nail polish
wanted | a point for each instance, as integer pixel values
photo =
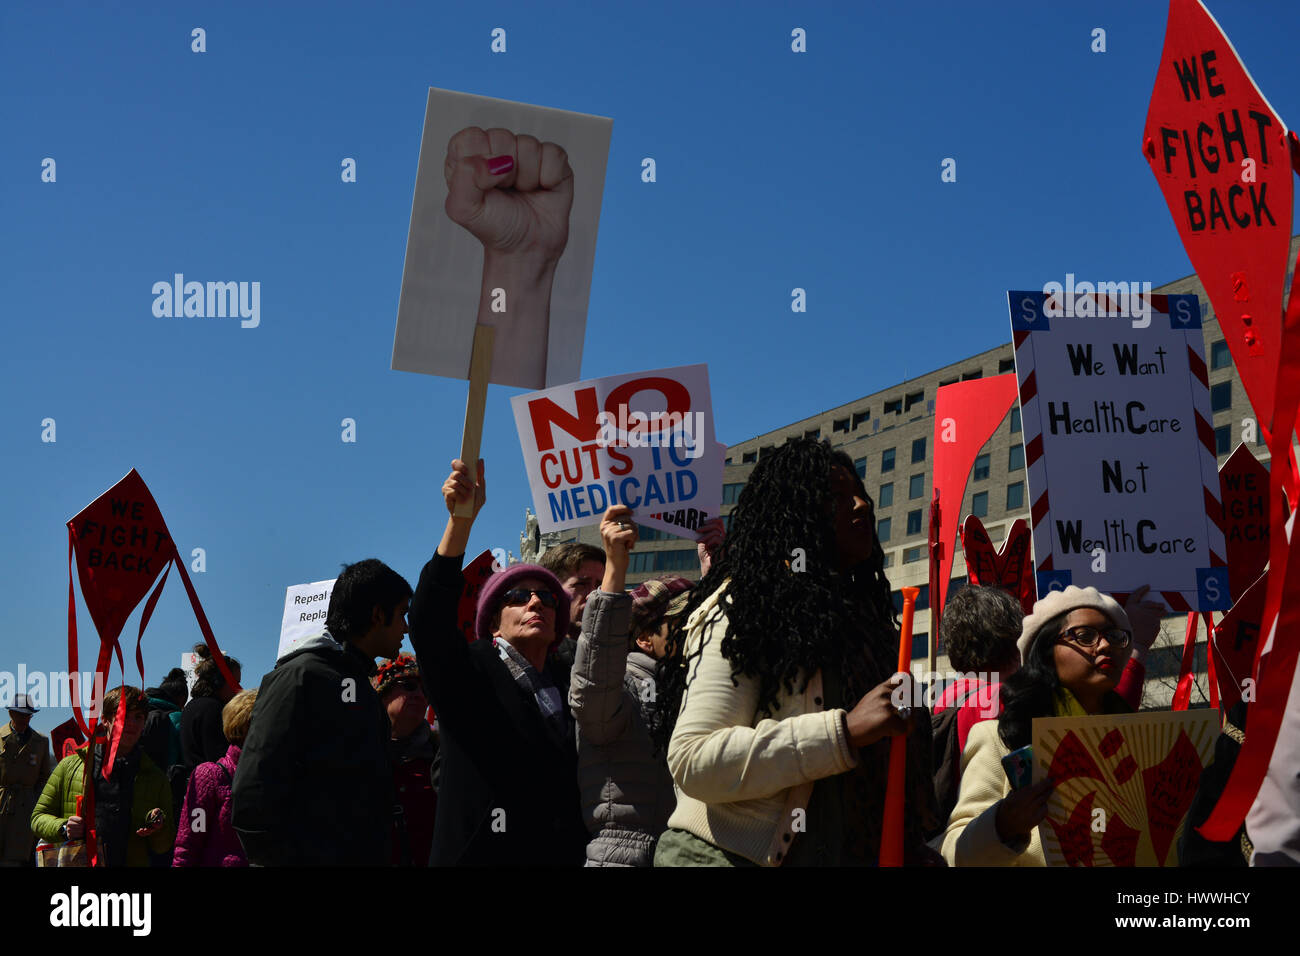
(511, 192)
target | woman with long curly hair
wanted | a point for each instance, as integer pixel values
(781, 688)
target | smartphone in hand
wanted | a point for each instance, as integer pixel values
(1019, 766)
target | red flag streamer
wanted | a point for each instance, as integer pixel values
(1272, 682)
(1183, 693)
(936, 555)
(218, 657)
(891, 833)
(1208, 618)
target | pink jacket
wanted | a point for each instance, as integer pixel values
(205, 836)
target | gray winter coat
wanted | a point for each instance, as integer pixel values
(627, 792)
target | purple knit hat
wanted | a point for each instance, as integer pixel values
(495, 587)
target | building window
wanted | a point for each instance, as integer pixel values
(912, 555)
(948, 381)
(982, 467)
(813, 433)
(1015, 418)
(1006, 365)
(840, 425)
(882, 529)
(1221, 397)
(1220, 356)
(1015, 496)
(968, 376)
(887, 460)
(640, 561)
(731, 493)
(749, 457)
(920, 645)
(914, 522)
(727, 461)
(979, 504)
(726, 523)
(918, 450)
(916, 486)
(886, 497)
(889, 559)
(678, 560)
(1223, 439)
(860, 466)
(895, 407)
(1015, 457)
(860, 417)
(913, 398)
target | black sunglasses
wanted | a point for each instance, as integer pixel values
(517, 596)
(1086, 636)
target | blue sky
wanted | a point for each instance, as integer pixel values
(775, 170)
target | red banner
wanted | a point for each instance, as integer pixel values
(1220, 155)
(1010, 568)
(965, 416)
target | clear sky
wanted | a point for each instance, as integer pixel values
(775, 170)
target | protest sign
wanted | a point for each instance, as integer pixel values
(476, 575)
(306, 608)
(1243, 483)
(1124, 784)
(503, 234)
(1235, 640)
(1219, 153)
(1120, 450)
(190, 665)
(965, 417)
(643, 439)
(1010, 568)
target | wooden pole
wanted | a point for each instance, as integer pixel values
(471, 438)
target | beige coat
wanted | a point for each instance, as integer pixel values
(972, 835)
(24, 768)
(741, 775)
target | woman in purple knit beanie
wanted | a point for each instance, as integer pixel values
(205, 836)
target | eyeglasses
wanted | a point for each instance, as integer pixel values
(517, 596)
(1086, 635)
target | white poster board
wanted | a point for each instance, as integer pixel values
(1119, 447)
(643, 439)
(190, 665)
(306, 606)
(526, 269)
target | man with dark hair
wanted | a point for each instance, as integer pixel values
(314, 786)
(161, 738)
(580, 568)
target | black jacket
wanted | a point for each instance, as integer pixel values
(508, 793)
(202, 739)
(314, 786)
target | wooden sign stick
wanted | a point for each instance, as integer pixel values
(471, 438)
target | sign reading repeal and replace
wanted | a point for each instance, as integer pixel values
(306, 606)
(643, 439)
(1120, 450)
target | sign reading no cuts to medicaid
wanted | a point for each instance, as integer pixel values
(643, 439)
(1119, 446)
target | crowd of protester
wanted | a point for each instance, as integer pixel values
(743, 720)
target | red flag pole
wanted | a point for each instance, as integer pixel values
(936, 599)
(891, 833)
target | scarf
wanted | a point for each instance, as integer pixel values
(542, 691)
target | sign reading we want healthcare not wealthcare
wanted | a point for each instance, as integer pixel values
(1119, 445)
(643, 439)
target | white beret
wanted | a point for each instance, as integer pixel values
(1063, 602)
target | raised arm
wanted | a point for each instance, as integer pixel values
(596, 693)
(439, 644)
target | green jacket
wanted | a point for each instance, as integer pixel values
(58, 801)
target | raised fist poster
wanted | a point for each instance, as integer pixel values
(503, 233)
